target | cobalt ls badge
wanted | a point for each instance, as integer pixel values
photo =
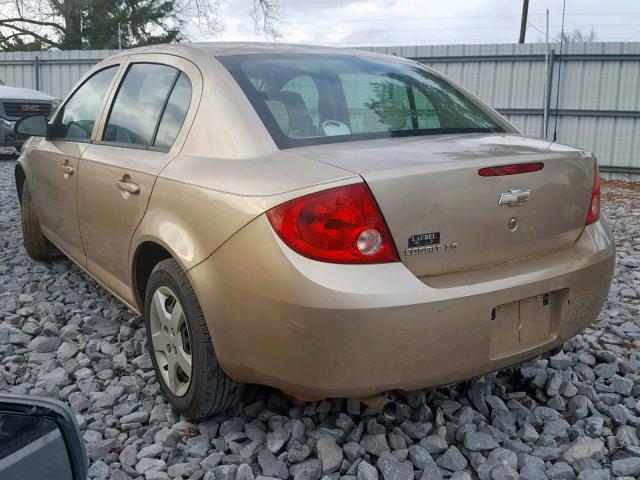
(428, 243)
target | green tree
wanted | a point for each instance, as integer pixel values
(125, 23)
(87, 24)
(13, 43)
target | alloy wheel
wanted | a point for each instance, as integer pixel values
(171, 340)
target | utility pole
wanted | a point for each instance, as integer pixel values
(119, 37)
(523, 24)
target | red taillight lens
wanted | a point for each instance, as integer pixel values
(510, 169)
(339, 225)
(594, 206)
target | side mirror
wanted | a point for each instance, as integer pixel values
(39, 438)
(32, 126)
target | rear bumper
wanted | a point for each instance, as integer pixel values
(352, 330)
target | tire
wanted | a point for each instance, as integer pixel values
(209, 389)
(34, 242)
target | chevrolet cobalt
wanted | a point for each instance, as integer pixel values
(328, 222)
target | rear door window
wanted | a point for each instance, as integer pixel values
(174, 113)
(139, 104)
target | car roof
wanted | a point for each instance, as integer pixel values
(222, 49)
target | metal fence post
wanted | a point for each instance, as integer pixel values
(547, 94)
(36, 65)
(543, 132)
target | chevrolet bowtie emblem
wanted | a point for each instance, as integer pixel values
(514, 197)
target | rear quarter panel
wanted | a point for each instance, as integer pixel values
(199, 202)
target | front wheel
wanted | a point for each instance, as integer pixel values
(181, 348)
(34, 242)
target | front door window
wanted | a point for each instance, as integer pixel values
(79, 114)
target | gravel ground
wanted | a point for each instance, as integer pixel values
(576, 415)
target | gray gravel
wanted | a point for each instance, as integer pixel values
(576, 415)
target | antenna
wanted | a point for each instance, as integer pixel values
(555, 123)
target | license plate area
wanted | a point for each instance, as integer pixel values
(526, 323)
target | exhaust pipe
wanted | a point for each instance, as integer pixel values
(381, 404)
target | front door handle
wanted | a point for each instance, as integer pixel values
(67, 169)
(126, 185)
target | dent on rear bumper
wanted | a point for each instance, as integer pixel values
(351, 330)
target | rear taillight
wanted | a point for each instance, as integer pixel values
(594, 205)
(514, 169)
(339, 225)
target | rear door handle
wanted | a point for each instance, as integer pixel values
(126, 185)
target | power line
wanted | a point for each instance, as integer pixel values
(390, 42)
(428, 29)
(387, 43)
(633, 35)
(555, 39)
(462, 17)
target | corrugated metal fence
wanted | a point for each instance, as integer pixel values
(53, 72)
(598, 101)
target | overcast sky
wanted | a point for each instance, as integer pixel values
(416, 22)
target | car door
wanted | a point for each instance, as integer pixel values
(55, 172)
(140, 134)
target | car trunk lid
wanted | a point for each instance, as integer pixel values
(445, 217)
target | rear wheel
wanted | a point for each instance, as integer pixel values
(34, 241)
(181, 347)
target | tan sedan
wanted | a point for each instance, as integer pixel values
(327, 222)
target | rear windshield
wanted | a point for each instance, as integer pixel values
(314, 99)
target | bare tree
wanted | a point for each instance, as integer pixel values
(77, 24)
(578, 36)
(267, 18)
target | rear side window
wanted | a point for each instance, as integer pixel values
(174, 113)
(79, 114)
(139, 104)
